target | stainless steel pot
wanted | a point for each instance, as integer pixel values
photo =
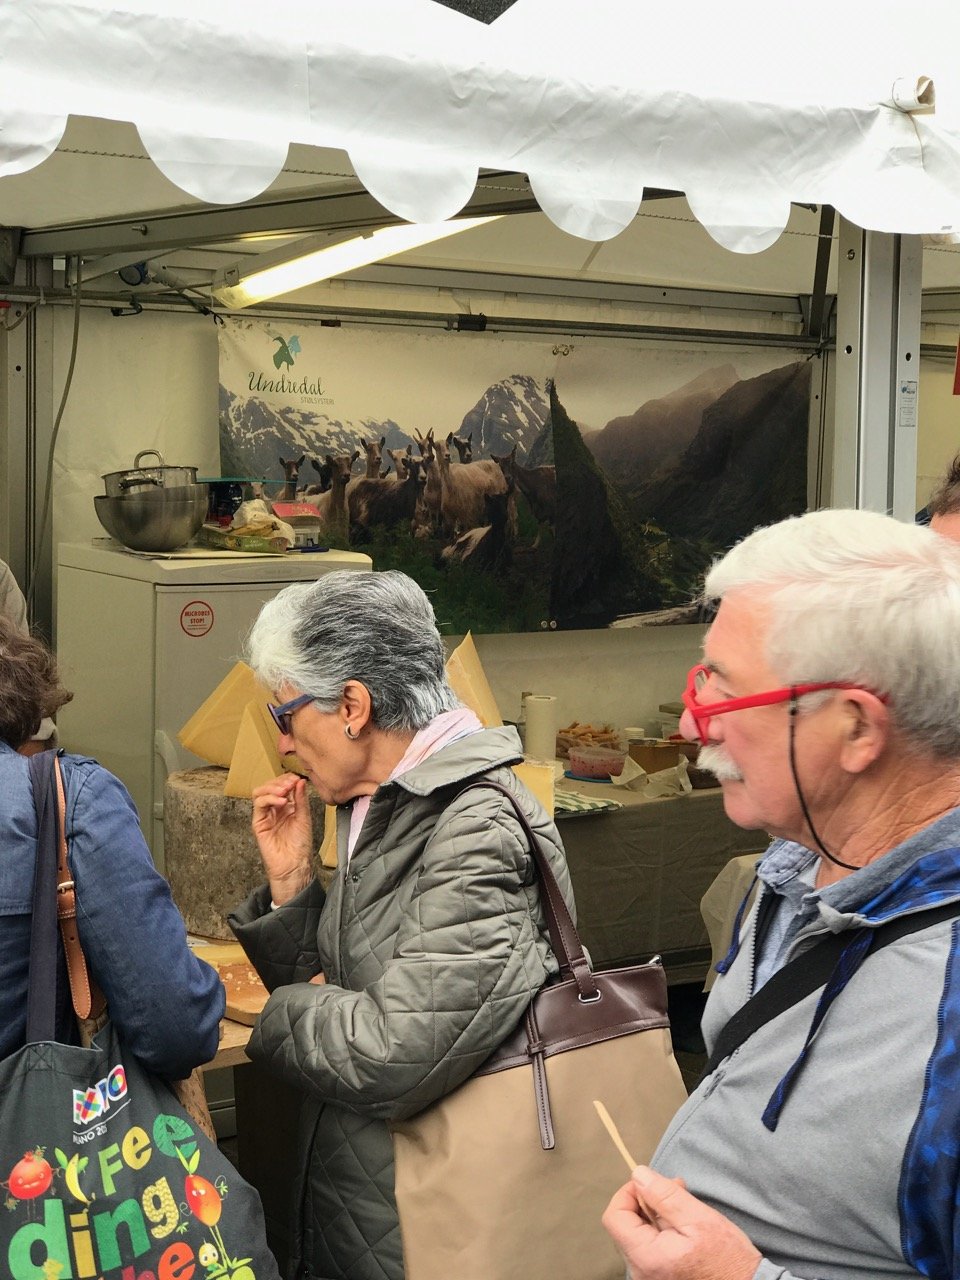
(155, 520)
(142, 479)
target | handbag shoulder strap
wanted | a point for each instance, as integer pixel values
(808, 972)
(42, 971)
(564, 938)
(88, 999)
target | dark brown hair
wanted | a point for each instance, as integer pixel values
(29, 685)
(945, 499)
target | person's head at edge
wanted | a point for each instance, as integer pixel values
(366, 649)
(840, 596)
(944, 503)
(30, 687)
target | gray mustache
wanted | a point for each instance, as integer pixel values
(718, 761)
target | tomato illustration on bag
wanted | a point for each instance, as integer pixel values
(29, 1177)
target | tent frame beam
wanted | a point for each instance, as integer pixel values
(565, 287)
(337, 207)
(347, 207)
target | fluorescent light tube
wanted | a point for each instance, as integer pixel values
(315, 258)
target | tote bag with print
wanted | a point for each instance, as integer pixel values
(103, 1175)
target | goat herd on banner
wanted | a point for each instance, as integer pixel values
(471, 507)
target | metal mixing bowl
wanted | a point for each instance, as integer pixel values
(141, 479)
(155, 520)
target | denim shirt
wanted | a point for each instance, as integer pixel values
(790, 871)
(165, 1003)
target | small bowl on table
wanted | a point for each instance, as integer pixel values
(597, 762)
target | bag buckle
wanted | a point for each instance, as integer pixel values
(591, 999)
(65, 886)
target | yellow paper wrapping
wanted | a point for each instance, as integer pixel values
(537, 778)
(255, 757)
(469, 682)
(211, 732)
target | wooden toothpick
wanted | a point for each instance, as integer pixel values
(611, 1128)
(628, 1160)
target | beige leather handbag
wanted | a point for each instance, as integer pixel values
(508, 1176)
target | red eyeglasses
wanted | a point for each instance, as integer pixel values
(703, 712)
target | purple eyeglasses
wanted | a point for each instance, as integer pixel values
(283, 714)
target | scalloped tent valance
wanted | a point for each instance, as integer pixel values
(744, 107)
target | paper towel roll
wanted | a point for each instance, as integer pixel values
(540, 740)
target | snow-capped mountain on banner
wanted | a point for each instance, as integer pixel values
(511, 412)
(253, 434)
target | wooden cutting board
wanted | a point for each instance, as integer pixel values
(246, 994)
(216, 953)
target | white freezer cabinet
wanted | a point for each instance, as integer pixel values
(142, 641)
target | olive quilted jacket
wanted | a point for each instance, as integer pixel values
(432, 941)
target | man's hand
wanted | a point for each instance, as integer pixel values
(284, 833)
(665, 1233)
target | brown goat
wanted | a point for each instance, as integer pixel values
(537, 484)
(384, 502)
(291, 473)
(424, 443)
(400, 458)
(374, 451)
(462, 491)
(464, 447)
(486, 547)
(332, 505)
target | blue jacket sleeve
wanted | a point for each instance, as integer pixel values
(165, 1003)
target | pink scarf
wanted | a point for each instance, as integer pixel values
(443, 729)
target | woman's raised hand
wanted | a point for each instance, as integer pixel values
(284, 832)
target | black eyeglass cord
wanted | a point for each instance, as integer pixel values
(794, 711)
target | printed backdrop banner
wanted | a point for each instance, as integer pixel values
(527, 484)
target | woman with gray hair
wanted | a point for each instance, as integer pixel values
(390, 990)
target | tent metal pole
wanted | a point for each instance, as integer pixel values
(25, 416)
(14, 525)
(818, 315)
(878, 370)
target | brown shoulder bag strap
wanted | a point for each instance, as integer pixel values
(89, 1002)
(564, 938)
(88, 999)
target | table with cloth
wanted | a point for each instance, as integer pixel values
(639, 873)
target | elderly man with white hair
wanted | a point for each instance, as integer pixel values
(824, 1140)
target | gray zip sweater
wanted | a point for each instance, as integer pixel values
(851, 1170)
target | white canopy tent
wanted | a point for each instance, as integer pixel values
(738, 106)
